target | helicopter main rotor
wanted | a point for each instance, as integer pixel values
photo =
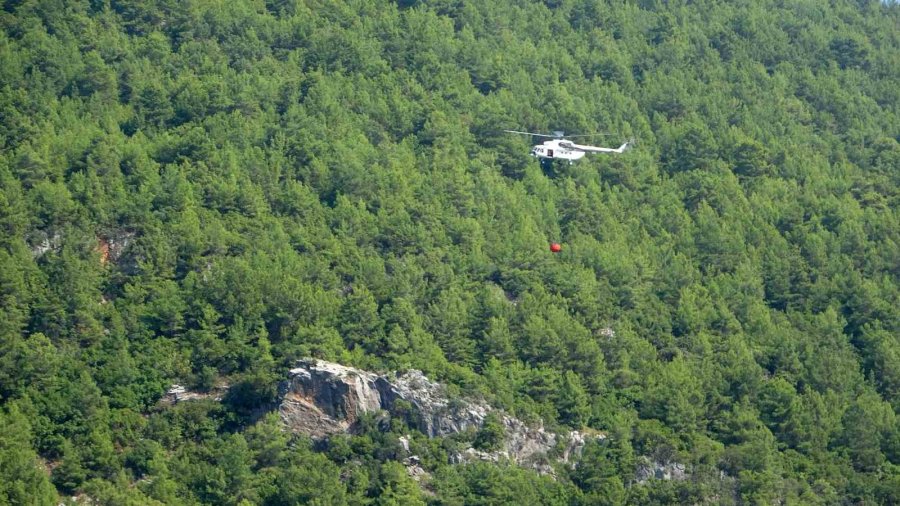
(557, 134)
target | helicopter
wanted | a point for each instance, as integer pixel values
(560, 148)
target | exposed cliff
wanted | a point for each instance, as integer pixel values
(322, 398)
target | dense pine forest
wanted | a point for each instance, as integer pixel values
(201, 192)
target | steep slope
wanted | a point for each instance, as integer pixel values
(203, 192)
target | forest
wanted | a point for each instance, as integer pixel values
(202, 192)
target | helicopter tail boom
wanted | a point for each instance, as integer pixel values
(597, 149)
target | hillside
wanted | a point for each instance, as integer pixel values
(203, 192)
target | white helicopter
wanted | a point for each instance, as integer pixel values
(559, 148)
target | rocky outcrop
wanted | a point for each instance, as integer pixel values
(42, 242)
(178, 393)
(653, 470)
(112, 246)
(322, 398)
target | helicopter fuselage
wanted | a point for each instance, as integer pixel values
(552, 150)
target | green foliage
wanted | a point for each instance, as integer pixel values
(397, 488)
(201, 193)
(24, 481)
(491, 434)
(485, 484)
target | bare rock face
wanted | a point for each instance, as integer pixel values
(112, 246)
(42, 242)
(178, 393)
(437, 415)
(118, 243)
(323, 398)
(653, 470)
